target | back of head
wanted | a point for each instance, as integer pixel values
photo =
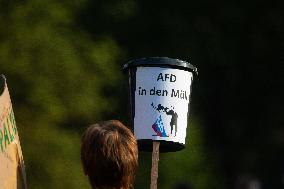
(109, 155)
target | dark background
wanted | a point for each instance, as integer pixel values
(63, 65)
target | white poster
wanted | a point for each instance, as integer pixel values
(161, 103)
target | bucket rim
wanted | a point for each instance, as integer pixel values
(160, 61)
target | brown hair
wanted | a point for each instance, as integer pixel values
(109, 155)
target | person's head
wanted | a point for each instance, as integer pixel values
(109, 155)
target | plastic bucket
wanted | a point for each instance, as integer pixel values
(159, 90)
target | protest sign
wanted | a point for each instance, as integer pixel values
(160, 93)
(12, 170)
(161, 102)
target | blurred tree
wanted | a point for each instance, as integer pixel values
(60, 79)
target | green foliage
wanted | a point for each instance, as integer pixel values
(57, 75)
(52, 157)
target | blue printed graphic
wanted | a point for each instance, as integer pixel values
(159, 128)
(169, 112)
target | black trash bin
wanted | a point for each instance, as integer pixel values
(160, 89)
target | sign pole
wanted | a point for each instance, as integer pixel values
(155, 165)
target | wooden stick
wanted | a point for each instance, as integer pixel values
(155, 165)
